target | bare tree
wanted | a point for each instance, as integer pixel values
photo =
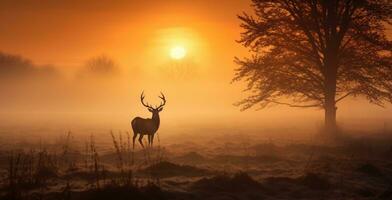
(100, 65)
(315, 53)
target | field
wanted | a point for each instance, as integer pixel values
(223, 166)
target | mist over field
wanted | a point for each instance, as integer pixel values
(109, 98)
(209, 99)
(87, 100)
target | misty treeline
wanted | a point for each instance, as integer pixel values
(316, 53)
(26, 86)
(16, 66)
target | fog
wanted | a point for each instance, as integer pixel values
(102, 94)
(47, 79)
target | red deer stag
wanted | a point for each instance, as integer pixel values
(147, 126)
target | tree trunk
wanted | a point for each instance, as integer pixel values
(331, 68)
(331, 64)
(330, 118)
(329, 103)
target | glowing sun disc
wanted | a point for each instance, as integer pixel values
(177, 52)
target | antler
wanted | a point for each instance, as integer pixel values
(163, 99)
(144, 104)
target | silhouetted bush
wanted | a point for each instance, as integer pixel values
(167, 169)
(369, 169)
(149, 192)
(387, 194)
(315, 181)
(239, 182)
(365, 192)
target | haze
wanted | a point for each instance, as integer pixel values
(60, 37)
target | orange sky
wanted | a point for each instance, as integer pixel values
(138, 36)
(66, 32)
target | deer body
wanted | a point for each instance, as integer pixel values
(150, 126)
(145, 126)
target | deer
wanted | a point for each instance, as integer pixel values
(147, 126)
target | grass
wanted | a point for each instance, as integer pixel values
(33, 170)
(291, 171)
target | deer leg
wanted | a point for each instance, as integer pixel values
(134, 138)
(152, 139)
(149, 140)
(141, 140)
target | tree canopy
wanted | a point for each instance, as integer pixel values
(306, 52)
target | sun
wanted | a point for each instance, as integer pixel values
(177, 52)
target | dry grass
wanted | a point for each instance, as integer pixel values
(269, 170)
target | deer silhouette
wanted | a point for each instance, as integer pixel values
(148, 126)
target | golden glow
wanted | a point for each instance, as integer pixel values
(177, 52)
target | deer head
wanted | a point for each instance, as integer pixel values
(153, 110)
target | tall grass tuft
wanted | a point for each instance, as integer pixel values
(122, 150)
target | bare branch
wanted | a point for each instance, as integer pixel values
(295, 105)
(343, 97)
